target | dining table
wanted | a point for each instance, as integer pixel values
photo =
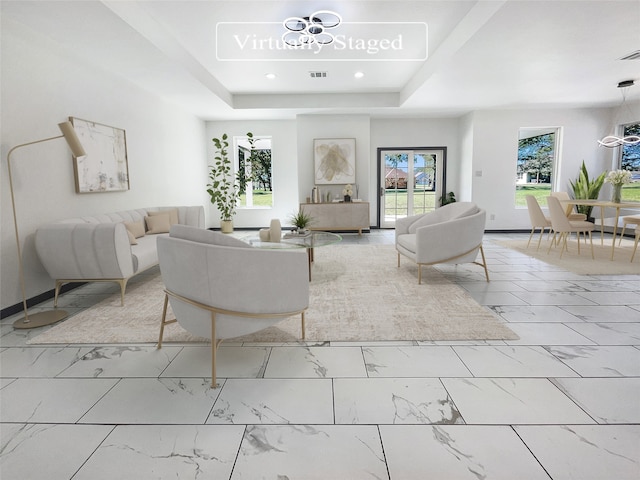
(617, 206)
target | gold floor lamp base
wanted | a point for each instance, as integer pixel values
(40, 319)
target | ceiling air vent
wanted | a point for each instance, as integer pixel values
(318, 74)
(632, 56)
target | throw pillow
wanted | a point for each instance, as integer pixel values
(136, 228)
(132, 238)
(158, 224)
(173, 214)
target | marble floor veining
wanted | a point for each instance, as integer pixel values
(562, 402)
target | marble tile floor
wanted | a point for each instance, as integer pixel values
(562, 402)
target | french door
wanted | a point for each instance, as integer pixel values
(411, 182)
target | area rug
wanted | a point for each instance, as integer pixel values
(357, 294)
(583, 264)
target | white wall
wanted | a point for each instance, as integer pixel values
(41, 87)
(311, 127)
(495, 146)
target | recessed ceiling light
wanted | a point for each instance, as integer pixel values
(358, 75)
(270, 76)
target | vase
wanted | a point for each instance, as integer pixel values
(347, 198)
(616, 196)
(275, 231)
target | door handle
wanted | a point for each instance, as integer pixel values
(382, 191)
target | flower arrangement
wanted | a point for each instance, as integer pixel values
(347, 190)
(618, 177)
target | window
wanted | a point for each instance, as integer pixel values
(253, 164)
(630, 160)
(536, 163)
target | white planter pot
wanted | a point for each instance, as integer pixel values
(226, 226)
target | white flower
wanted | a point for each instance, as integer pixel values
(347, 190)
(618, 177)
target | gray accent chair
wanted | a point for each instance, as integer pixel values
(449, 234)
(220, 287)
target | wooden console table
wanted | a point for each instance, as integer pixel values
(338, 216)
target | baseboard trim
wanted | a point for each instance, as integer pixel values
(43, 297)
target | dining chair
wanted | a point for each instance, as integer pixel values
(564, 227)
(572, 216)
(635, 244)
(629, 220)
(538, 219)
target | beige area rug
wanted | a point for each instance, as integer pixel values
(583, 264)
(357, 294)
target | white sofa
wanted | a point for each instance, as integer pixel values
(450, 234)
(110, 247)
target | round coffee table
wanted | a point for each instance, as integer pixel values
(309, 241)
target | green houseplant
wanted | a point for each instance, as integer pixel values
(301, 220)
(223, 188)
(584, 188)
(447, 198)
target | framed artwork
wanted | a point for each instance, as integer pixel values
(334, 160)
(105, 167)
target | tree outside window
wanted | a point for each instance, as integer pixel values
(630, 160)
(535, 164)
(254, 171)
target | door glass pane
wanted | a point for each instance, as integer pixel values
(424, 185)
(395, 186)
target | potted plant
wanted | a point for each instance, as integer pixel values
(447, 198)
(223, 188)
(586, 189)
(301, 221)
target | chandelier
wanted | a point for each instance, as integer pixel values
(301, 31)
(612, 141)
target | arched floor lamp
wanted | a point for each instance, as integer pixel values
(52, 316)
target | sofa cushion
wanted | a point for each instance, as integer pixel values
(132, 238)
(201, 235)
(172, 212)
(136, 228)
(158, 223)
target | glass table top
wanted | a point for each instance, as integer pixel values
(294, 240)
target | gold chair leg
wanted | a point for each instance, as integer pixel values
(635, 246)
(164, 320)
(531, 235)
(484, 263)
(622, 234)
(164, 317)
(593, 257)
(303, 326)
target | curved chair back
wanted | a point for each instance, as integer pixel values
(264, 285)
(220, 287)
(572, 216)
(559, 220)
(536, 215)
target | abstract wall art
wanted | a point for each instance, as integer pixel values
(334, 160)
(105, 167)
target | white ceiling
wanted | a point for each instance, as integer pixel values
(481, 54)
